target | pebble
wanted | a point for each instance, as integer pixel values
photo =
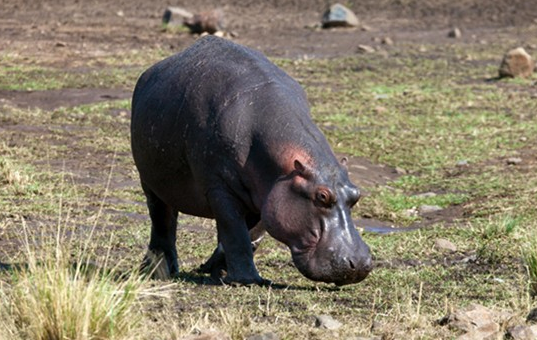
(443, 244)
(365, 49)
(455, 33)
(264, 336)
(425, 195)
(522, 332)
(327, 322)
(513, 160)
(427, 209)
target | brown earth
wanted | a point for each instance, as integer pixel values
(70, 33)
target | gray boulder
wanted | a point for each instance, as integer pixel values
(175, 16)
(339, 16)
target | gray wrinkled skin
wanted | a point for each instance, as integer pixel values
(218, 131)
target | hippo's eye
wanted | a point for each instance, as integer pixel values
(324, 197)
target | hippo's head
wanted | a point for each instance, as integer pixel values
(309, 211)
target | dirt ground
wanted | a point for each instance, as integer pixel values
(71, 33)
(68, 32)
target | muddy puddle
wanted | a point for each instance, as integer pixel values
(52, 99)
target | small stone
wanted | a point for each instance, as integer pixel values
(327, 322)
(365, 28)
(400, 171)
(175, 16)
(455, 33)
(513, 160)
(422, 49)
(339, 16)
(380, 109)
(462, 162)
(521, 332)
(412, 212)
(445, 245)
(207, 335)
(473, 318)
(532, 316)
(208, 21)
(365, 49)
(219, 34)
(523, 139)
(516, 63)
(425, 195)
(120, 14)
(387, 41)
(60, 44)
(264, 336)
(428, 209)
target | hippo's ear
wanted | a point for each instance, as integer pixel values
(344, 162)
(301, 169)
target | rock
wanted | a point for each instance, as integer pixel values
(462, 162)
(365, 28)
(425, 195)
(380, 109)
(264, 336)
(400, 171)
(207, 335)
(209, 21)
(477, 321)
(513, 160)
(364, 338)
(327, 322)
(532, 316)
(387, 41)
(427, 209)
(516, 63)
(490, 331)
(521, 332)
(412, 212)
(455, 33)
(365, 49)
(445, 245)
(175, 16)
(339, 16)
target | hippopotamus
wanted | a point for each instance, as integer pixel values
(219, 131)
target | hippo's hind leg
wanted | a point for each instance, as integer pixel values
(216, 264)
(161, 258)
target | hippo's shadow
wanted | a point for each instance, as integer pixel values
(203, 279)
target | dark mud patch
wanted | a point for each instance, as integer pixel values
(52, 99)
(366, 174)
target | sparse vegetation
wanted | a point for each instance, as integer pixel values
(434, 115)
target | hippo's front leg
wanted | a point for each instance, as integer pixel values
(216, 264)
(234, 238)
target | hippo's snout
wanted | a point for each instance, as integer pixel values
(353, 269)
(342, 267)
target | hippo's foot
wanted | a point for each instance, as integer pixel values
(157, 264)
(215, 265)
(246, 281)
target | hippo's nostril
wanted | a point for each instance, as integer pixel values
(368, 265)
(351, 264)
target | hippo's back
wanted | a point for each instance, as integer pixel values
(194, 115)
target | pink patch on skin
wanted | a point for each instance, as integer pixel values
(292, 153)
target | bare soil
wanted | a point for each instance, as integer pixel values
(70, 33)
